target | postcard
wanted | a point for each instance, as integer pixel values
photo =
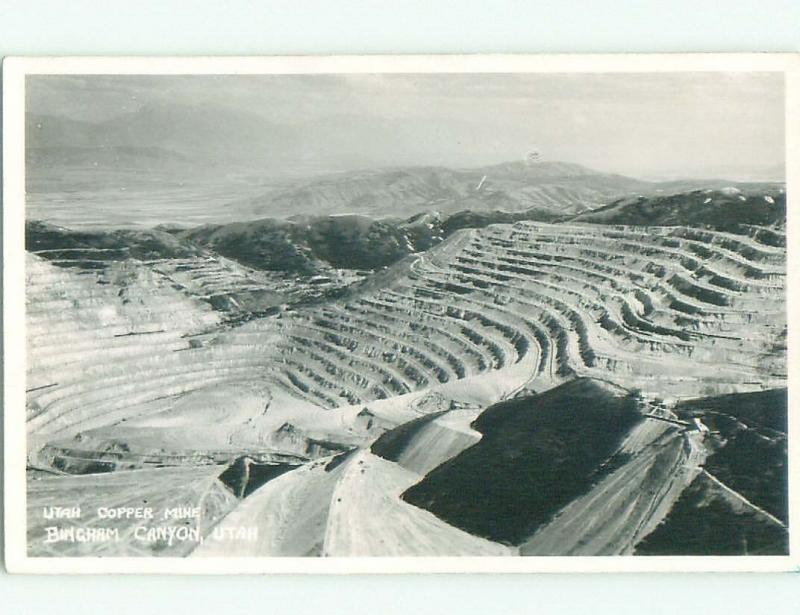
(401, 313)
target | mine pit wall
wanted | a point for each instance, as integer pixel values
(630, 503)
(709, 354)
(486, 389)
(579, 342)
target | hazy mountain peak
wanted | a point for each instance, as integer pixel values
(542, 169)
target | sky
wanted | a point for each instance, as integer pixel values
(651, 126)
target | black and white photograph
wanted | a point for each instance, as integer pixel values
(498, 312)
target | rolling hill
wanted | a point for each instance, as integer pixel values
(301, 245)
(725, 209)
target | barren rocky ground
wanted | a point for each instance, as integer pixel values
(474, 383)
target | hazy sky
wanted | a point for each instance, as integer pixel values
(645, 125)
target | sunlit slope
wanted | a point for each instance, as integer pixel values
(654, 464)
(343, 508)
(94, 334)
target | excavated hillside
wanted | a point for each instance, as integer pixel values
(157, 363)
(536, 455)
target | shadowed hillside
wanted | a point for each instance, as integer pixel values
(306, 244)
(751, 451)
(709, 520)
(536, 455)
(56, 243)
(354, 242)
(301, 245)
(723, 210)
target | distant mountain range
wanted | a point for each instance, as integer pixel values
(202, 133)
(559, 187)
(176, 147)
(222, 136)
(166, 157)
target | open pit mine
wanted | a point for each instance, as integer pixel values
(582, 386)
